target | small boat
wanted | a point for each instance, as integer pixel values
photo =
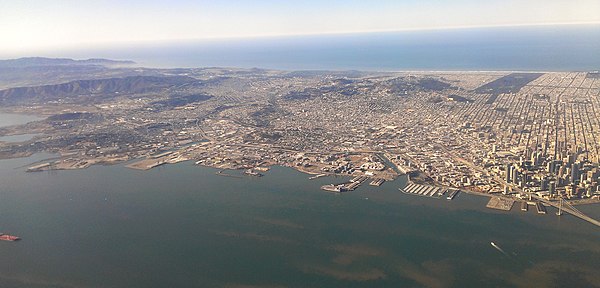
(252, 173)
(6, 237)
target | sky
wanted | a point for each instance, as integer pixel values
(29, 26)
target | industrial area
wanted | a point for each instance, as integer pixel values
(516, 137)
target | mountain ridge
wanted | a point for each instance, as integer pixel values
(127, 85)
(45, 61)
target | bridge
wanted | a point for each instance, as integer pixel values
(566, 207)
(563, 206)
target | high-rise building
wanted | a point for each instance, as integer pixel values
(544, 183)
(575, 173)
(552, 188)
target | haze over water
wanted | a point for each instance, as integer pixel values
(539, 48)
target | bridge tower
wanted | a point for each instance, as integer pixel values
(560, 204)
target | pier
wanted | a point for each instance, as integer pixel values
(540, 208)
(221, 173)
(317, 176)
(498, 203)
(343, 187)
(423, 190)
(524, 206)
(377, 182)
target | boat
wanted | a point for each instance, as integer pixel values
(252, 173)
(334, 188)
(6, 237)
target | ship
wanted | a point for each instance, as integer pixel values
(6, 237)
(252, 173)
(334, 188)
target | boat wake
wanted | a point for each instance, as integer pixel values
(499, 249)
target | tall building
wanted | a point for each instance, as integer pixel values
(552, 188)
(550, 167)
(575, 173)
(544, 183)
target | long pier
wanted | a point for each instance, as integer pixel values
(222, 173)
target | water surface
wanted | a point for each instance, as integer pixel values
(183, 226)
(18, 138)
(10, 119)
(530, 48)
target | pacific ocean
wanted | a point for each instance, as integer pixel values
(526, 48)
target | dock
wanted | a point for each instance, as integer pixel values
(39, 167)
(498, 203)
(524, 206)
(348, 186)
(377, 182)
(157, 160)
(452, 193)
(541, 209)
(317, 176)
(222, 173)
(359, 179)
(422, 190)
(339, 188)
(251, 172)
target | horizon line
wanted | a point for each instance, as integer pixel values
(109, 44)
(415, 29)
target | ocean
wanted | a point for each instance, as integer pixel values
(527, 48)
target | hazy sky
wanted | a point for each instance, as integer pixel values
(30, 25)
